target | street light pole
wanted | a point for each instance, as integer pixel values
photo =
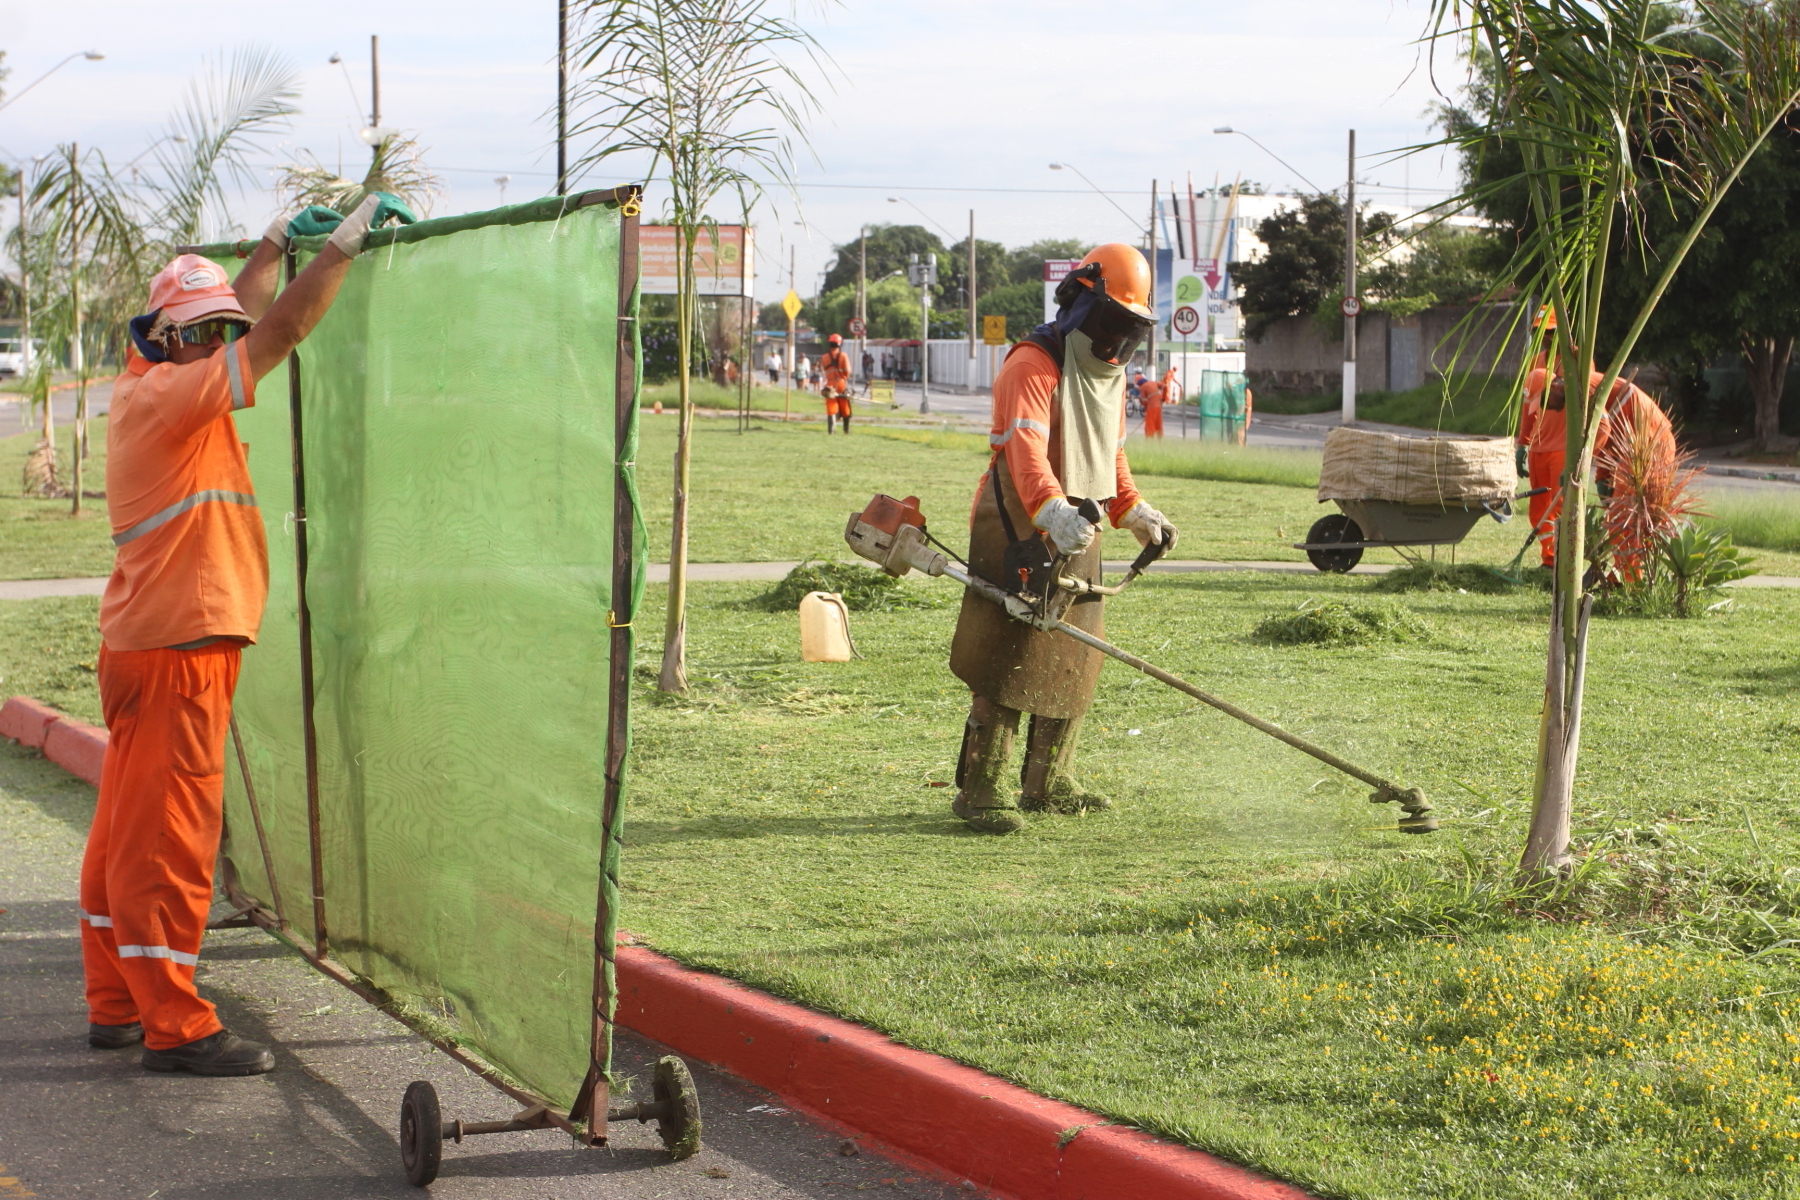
(971, 291)
(562, 97)
(1063, 166)
(90, 55)
(862, 299)
(1351, 304)
(1284, 162)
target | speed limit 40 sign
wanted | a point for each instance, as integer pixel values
(1186, 320)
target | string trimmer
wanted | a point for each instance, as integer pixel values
(891, 534)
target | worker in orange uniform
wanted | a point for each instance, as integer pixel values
(190, 574)
(835, 366)
(1150, 395)
(1627, 406)
(1543, 465)
(1058, 438)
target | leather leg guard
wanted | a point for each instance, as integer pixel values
(1044, 780)
(981, 769)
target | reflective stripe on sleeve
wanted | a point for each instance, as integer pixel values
(96, 922)
(176, 956)
(180, 506)
(235, 376)
(1018, 423)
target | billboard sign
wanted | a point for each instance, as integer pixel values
(724, 260)
(1055, 269)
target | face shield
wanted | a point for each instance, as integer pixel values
(1114, 330)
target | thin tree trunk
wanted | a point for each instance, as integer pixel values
(673, 677)
(80, 427)
(1765, 368)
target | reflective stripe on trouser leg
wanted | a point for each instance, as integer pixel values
(156, 833)
(986, 751)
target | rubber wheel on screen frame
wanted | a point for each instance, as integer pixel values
(679, 1125)
(421, 1133)
(1335, 528)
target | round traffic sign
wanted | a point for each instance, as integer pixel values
(857, 328)
(1186, 320)
(1350, 306)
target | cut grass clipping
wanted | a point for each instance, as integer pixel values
(1342, 623)
(1445, 577)
(864, 589)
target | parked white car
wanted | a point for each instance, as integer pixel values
(13, 357)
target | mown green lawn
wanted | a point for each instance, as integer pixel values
(1243, 954)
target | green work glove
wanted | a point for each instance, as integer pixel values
(391, 206)
(314, 220)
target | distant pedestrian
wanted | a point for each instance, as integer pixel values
(802, 372)
(772, 365)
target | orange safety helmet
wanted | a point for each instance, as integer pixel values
(836, 339)
(1118, 272)
(1546, 318)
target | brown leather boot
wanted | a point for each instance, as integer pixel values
(1044, 780)
(981, 769)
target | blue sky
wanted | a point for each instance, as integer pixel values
(946, 104)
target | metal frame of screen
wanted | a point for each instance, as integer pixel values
(674, 1107)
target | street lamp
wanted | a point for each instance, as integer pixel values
(920, 211)
(1062, 166)
(1350, 305)
(90, 55)
(167, 137)
(502, 181)
(1284, 162)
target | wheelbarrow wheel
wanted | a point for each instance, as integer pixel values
(673, 1086)
(1335, 528)
(421, 1133)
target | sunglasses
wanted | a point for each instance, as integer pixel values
(223, 329)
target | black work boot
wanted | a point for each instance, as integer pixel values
(1044, 782)
(114, 1037)
(981, 768)
(221, 1053)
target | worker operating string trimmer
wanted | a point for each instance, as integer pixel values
(1028, 638)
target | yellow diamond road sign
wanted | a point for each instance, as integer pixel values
(993, 330)
(790, 304)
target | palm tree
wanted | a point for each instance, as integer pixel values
(1612, 108)
(397, 167)
(698, 87)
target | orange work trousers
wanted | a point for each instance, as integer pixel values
(1153, 419)
(1544, 466)
(147, 876)
(837, 404)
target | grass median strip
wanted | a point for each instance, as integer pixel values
(1242, 954)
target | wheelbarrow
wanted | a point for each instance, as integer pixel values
(1336, 543)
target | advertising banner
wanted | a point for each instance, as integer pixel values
(724, 261)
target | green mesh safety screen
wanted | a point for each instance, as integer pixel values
(459, 407)
(1221, 403)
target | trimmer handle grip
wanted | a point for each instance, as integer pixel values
(1089, 510)
(1149, 554)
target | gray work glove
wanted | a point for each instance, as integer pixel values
(1071, 531)
(1148, 525)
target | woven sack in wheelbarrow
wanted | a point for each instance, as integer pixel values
(1363, 464)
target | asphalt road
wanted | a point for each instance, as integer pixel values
(80, 1122)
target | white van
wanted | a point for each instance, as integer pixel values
(13, 357)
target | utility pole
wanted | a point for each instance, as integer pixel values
(922, 274)
(788, 386)
(375, 81)
(862, 299)
(1155, 312)
(562, 97)
(1351, 304)
(30, 357)
(972, 317)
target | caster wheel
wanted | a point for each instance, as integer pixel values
(421, 1133)
(680, 1124)
(1335, 528)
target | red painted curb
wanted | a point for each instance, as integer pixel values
(75, 746)
(25, 721)
(960, 1120)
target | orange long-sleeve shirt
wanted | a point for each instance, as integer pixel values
(1025, 431)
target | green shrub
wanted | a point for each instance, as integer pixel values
(1340, 623)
